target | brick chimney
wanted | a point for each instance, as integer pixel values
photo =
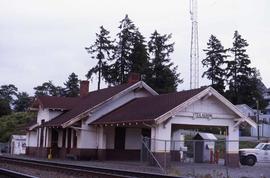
(84, 88)
(133, 78)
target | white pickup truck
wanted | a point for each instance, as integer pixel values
(249, 156)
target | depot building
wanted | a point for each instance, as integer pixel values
(108, 124)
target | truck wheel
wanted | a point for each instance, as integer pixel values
(243, 161)
(250, 160)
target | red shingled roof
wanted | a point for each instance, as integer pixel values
(94, 98)
(148, 108)
(54, 102)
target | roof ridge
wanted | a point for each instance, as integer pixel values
(111, 87)
(177, 92)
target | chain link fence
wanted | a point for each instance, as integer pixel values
(177, 153)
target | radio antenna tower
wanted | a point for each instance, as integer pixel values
(194, 48)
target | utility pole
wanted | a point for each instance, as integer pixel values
(194, 47)
(258, 120)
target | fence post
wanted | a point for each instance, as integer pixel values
(165, 156)
(193, 151)
(141, 155)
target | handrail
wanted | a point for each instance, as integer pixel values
(153, 156)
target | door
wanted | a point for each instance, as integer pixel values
(68, 140)
(120, 136)
(146, 144)
(266, 153)
(198, 152)
(54, 143)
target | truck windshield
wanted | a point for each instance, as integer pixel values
(259, 146)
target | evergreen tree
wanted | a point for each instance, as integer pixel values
(100, 50)
(139, 58)
(214, 61)
(72, 85)
(22, 102)
(162, 78)
(238, 71)
(249, 91)
(119, 70)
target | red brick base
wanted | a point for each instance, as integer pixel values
(232, 160)
(164, 159)
(37, 152)
(85, 154)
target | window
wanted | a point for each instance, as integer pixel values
(266, 147)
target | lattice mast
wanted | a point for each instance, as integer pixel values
(194, 48)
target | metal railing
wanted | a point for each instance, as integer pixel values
(147, 149)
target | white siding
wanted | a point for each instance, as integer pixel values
(133, 139)
(87, 137)
(31, 139)
(43, 114)
(110, 133)
(60, 138)
(46, 115)
(160, 134)
(210, 105)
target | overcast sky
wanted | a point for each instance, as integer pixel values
(43, 40)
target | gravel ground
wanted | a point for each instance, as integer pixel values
(38, 173)
(190, 170)
(261, 170)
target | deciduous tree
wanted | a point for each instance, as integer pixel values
(8, 92)
(48, 89)
(22, 103)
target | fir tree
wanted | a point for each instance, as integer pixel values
(214, 61)
(119, 70)
(139, 58)
(249, 91)
(72, 86)
(238, 70)
(163, 76)
(100, 50)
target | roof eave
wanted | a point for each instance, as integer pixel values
(200, 95)
(183, 105)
